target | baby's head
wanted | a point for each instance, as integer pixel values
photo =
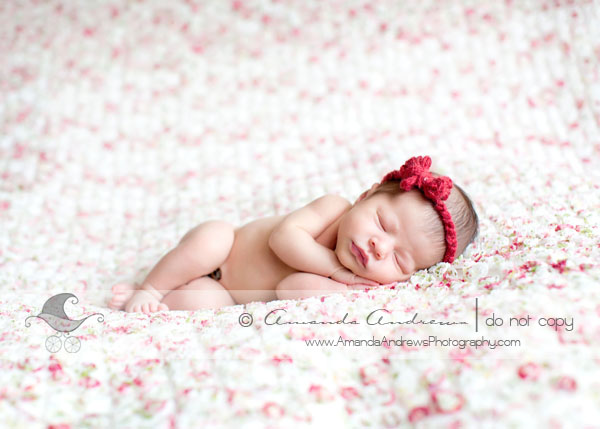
(400, 231)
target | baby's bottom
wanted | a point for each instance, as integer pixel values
(200, 293)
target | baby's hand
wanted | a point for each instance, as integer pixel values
(360, 287)
(346, 276)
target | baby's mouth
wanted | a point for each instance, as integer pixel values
(360, 255)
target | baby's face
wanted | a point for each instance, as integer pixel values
(387, 228)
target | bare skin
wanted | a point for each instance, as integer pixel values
(306, 253)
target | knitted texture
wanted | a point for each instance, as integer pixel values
(124, 124)
(415, 174)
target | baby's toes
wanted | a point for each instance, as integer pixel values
(163, 307)
(153, 307)
(134, 308)
(146, 308)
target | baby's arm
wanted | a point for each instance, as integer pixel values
(304, 285)
(293, 240)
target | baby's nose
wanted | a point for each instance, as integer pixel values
(379, 248)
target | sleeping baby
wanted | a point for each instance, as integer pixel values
(411, 220)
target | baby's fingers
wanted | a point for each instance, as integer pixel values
(359, 286)
(365, 281)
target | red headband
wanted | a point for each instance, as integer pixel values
(415, 173)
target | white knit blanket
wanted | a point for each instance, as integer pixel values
(125, 123)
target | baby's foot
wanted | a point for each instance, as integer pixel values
(121, 294)
(146, 299)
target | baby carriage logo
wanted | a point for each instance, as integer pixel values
(53, 312)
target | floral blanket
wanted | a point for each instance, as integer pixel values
(125, 123)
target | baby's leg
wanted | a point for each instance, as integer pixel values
(200, 251)
(303, 285)
(198, 294)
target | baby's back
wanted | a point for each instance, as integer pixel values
(252, 271)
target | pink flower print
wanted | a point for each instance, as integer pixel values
(560, 266)
(56, 370)
(272, 409)
(529, 371)
(447, 402)
(461, 356)
(349, 393)
(566, 383)
(283, 358)
(89, 382)
(320, 392)
(418, 413)
(392, 398)
(370, 374)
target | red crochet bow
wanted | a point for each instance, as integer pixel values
(415, 173)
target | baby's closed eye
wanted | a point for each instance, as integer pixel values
(382, 226)
(398, 261)
(380, 222)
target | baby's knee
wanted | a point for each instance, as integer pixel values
(214, 237)
(289, 283)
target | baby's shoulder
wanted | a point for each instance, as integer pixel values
(331, 203)
(317, 215)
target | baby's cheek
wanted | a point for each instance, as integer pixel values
(402, 277)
